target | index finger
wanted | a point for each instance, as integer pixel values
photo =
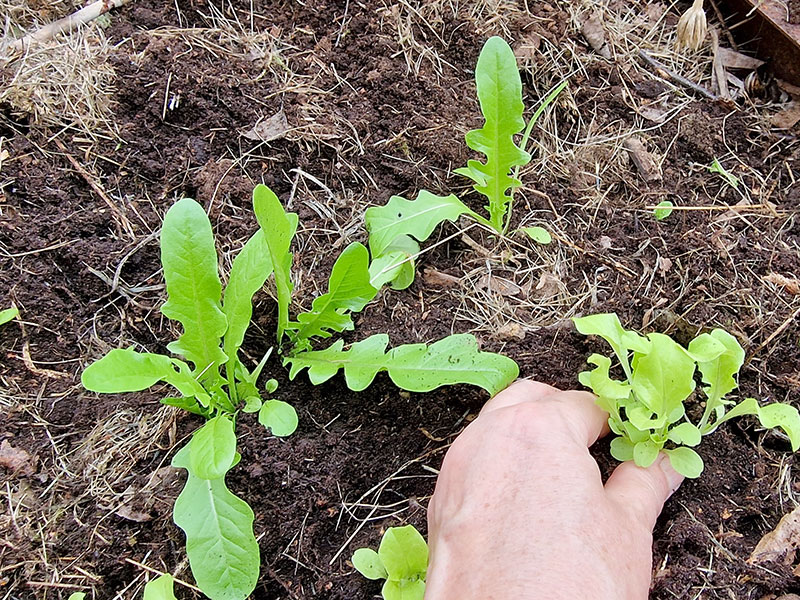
(573, 409)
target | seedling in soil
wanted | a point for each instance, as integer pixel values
(647, 409)
(397, 228)
(215, 384)
(663, 210)
(729, 177)
(9, 314)
(401, 559)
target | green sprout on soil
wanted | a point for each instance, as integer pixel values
(663, 210)
(9, 314)
(214, 383)
(647, 409)
(397, 228)
(401, 559)
(729, 177)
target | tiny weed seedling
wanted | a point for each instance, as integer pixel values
(401, 559)
(729, 177)
(397, 228)
(9, 314)
(647, 409)
(663, 210)
(214, 383)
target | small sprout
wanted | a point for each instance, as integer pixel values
(663, 210)
(272, 385)
(160, 588)
(401, 559)
(540, 235)
(732, 180)
(278, 416)
(77, 596)
(692, 27)
(7, 315)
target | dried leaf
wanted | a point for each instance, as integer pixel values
(499, 285)
(594, 33)
(126, 512)
(664, 265)
(791, 285)
(653, 113)
(511, 331)
(788, 117)
(437, 278)
(781, 543)
(735, 60)
(266, 130)
(16, 460)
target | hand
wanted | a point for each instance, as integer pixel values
(520, 510)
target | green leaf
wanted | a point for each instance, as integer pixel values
(8, 315)
(77, 596)
(278, 416)
(185, 403)
(189, 258)
(718, 374)
(500, 96)
(395, 265)
(249, 271)
(349, 290)
(368, 563)
(540, 235)
(212, 448)
(404, 553)
(706, 348)
(663, 210)
(686, 434)
(608, 327)
(223, 552)
(664, 377)
(271, 385)
(412, 367)
(125, 370)
(770, 416)
(279, 228)
(645, 453)
(417, 218)
(685, 461)
(403, 590)
(159, 588)
(729, 177)
(252, 404)
(622, 449)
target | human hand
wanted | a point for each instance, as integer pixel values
(520, 510)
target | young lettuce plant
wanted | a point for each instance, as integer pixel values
(401, 559)
(397, 228)
(647, 409)
(223, 553)
(212, 382)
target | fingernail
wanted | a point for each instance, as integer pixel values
(674, 479)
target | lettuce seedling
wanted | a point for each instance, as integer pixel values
(401, 559)
(499, 89)
(647, 408)
(214, 383)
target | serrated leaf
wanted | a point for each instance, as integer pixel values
(645, 453)
(686, 434)
(412, 367)
(770, 416)
(500, 95)
(540, 235)
(9, 314)
(685, 461)
(222, 550)
(368, 563)
(249, 272)
(280, 417)
(395, 265)
(212, 448)
(279, 228)
(349, 290)
(160, 588)
(189, 259)
(417, 218)
(404, 553)
(663, 210)
(664, 377)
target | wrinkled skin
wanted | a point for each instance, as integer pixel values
(520, 510)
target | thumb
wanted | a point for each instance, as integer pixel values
(642, 492)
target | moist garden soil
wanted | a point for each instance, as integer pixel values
(370, 116)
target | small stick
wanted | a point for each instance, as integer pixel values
(675, 77)
(727, 31)
(67, 24)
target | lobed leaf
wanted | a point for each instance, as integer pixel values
(608, 327)
(160, 588)
(412, 367)
(500, 95)
(417, 218)
(349, 290)
(718, 374)
(250, 270)
(223, 552)
(189, 259)
(770, 416)
(279, 228)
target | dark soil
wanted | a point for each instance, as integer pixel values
(695, 270)
(794, 11)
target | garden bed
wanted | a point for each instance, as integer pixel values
(377, 98)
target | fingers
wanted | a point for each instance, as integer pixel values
(575, 410)
(643, 492)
